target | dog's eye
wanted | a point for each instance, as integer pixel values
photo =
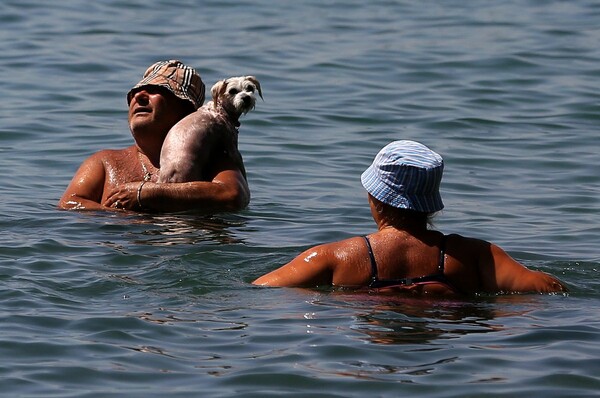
(250, 89)
(233, 91)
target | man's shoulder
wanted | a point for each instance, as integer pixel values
(108, 154)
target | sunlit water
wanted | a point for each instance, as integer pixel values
(96, 304)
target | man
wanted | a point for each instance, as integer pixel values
(125, 179)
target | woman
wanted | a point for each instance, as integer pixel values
(404, 254)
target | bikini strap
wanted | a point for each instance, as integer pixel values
(372, 259)
(407, 281)
(442, 258)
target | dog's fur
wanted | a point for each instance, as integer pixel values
(209, 133)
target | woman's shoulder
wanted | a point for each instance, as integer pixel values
(466, 240)
(341, 247)
(467, 249)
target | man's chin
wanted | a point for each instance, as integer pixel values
(140, 120)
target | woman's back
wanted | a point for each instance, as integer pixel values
(454, 264)
(427, 262)
(412, 263)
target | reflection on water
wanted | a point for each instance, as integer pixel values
(364, 370)
(167, 230)
(409, 339)
(132, 302)
(396, 319)
(170, 229)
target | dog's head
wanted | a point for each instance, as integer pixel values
(237, 94)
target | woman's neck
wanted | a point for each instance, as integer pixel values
(404, 221)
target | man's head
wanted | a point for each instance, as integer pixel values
(179, 79)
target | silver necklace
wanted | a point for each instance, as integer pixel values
(147, 174)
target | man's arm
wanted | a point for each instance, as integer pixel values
(85, 190)
(227, 191)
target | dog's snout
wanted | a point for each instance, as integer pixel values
(246, 99)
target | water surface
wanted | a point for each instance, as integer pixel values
(95, 304)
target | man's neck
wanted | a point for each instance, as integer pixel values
(150, 152)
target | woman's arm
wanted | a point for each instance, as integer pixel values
(313, 267)
(501, 273)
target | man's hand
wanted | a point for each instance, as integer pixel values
(124, 197)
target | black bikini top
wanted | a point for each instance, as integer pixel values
(438, 277)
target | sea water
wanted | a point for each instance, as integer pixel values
(115, 304)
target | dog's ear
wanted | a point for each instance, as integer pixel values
(254, 80)
(218, 89)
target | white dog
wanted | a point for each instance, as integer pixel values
(197, 140)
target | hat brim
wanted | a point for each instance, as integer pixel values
(395, 197)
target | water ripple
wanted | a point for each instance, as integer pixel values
(125, 304)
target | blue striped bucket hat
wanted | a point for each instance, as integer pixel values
(406, 175)
(178, 78)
